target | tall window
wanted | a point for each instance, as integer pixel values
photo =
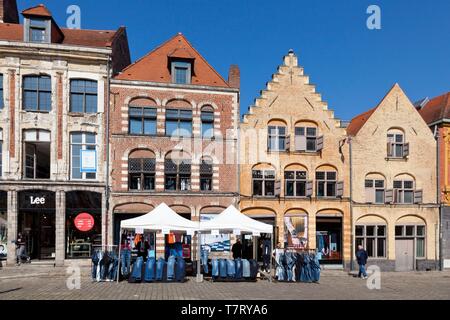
(37, 93)
(142, 120)
(276, 138)
(295, 183)
(403, 191)
(179, 122)
(396, 146)
(141, 170)
(177, 174)
(36, 154)
(306, 139)
(326, 183)
(38, 30)
(416, 232)
(206, 174)
(373, 239)
(1, 151)
(374, 191)
(80, 141)
(83, 96)
(2, 103)
(263, 182)
(207, 117)
(181, 72)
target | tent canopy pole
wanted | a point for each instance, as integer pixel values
(120, 246)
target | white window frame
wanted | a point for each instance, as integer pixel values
(83, 147)
(365, 237)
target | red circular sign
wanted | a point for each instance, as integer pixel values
(84, 222)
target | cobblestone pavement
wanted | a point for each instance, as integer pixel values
(50, 284)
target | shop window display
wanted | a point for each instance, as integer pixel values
(3, 225)
(296, 234)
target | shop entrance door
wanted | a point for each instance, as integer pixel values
(329, 239)
(404, 255)
(38, 230)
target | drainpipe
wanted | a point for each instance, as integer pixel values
(351, 202)
(438, 194)
(108, 101)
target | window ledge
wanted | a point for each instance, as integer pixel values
(83, 114)
(307, 153)
(35, 111)
(396, 159)
(297, 197)
(264, 197)
(277, 151)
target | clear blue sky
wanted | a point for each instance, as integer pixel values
(352, 66)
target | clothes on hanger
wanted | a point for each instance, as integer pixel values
(294, 266)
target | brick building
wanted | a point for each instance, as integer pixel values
(436, 113)
(294, 171)
(53, 142)
(394, 200)
(173, 133)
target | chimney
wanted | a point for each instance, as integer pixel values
(8, 11)
(234, 76)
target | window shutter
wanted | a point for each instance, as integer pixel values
(370, 195)
(390, 149)
(319, 143)
(405, 150)
(418, 196)
(309, 188)
(288, 143)
(277, 187)
(389, 196)
(340, 189)
(300, 143)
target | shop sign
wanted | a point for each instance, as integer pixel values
(84, 222)
(88, 161)
(36, 200)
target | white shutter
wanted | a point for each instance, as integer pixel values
(390, 149)
(370, 195)
(309, 188)
(300, 143)
(405, 150)
(288, 143)
(319, 143)
(389, 196)
(418, 196)
(277, 187)
(340, 189)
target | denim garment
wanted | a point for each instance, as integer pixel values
(215, 267)
(99, 266)
(136, 274)
(290, 262)
(222, 268)
(180, 269)
(253, 269)
(315, 268)
(280, 272)
(238, 264)
(150, 268)
(160, 265)
(306, 269)
(171, 268)
(94, 264)
(298, 267)
(231, 268)
(245, 268)
(205, 261)
(125, 257)
(362, 270)
(113, 266)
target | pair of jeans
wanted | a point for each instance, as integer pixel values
(171, 268)
(222, 268)
(362, 270)
(99, 269)
(245, 268)
(290, 262)
(231, 268)
(149, 274)
(180, 269)
(315, 268)
(125, 257)
(95, 261)
(113, 266)
(215, 268)
(306, 269)
(266, 262)
(238, 263)
(160, 264)
(137, 269)
(20, 253)
(205, 261)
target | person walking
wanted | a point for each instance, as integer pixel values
(361, 257)
(237, 249)
(20, 249)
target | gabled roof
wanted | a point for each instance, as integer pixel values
(436, 109)
(39, 10)
(154, 66)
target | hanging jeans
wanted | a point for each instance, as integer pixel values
(160, 265)
(215, 268)
(113, 265)
(315, 268)
(136, 274)
(95, 262)
(125, 257)
(253, 269)
(231, 268)
(238, 264)
(245, 268)
(222, 268)
(180, 269)
(149, 274)
(171, 268)
(290, 262)
(205, 261)
(266, 262)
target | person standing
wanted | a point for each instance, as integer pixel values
(237, 249)
(20, 248)
(361, 257)
(266, 253)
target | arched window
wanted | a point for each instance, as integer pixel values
(327, 185)
(263, 181)
(83, 96)
(277, 138)
(405, 190)
(296, 184)
(375, 187)
(141, 170)
(37, 93)
(177, 171)
(207, 117)
(36, 144)
(396, 146)
(206, 174)
(142, 120)
(178, 122)
(307, 137)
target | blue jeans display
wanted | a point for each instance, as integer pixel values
(150, 266)
(245, 268)
(171, 268)
(222, 268)
(125, 258)
(215, 268)
(238, 264)
(180, 269)
(136, 274)
(160, 265)
(231, 268)
(95, 261)
(362, 270)
(113, 266)
(315, 269)
(290, 262)
(205, 261)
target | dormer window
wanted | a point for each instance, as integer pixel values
(38, 30)
(181, 72)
